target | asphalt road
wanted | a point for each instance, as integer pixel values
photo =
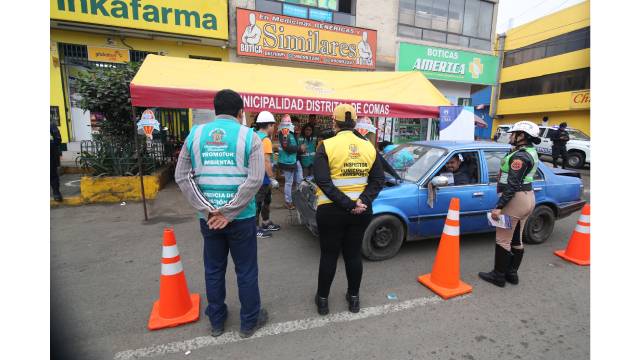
(105, 267)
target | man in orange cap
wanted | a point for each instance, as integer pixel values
(349, 176)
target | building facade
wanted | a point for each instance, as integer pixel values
(545, 71)
(86, 34)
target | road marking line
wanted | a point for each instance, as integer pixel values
(278, 328)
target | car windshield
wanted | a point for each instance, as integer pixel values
(578, 135)
(412, 161)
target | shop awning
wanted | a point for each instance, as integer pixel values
(172, 82)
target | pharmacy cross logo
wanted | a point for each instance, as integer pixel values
(476, 67)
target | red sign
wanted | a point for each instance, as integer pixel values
(275, 36)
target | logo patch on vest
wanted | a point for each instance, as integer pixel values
(516, 164)
(217, 135)
(353, 151)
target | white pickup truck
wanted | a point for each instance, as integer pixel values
(578, 147)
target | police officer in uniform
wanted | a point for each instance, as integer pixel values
(559, 147)
(516, 199)
(349, 176)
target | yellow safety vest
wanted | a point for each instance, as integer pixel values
(350, 161)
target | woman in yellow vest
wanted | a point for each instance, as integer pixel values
(349, 176)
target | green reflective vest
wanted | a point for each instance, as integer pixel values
(306, 159)
(220, 159)
(506, 161)
(285, 157)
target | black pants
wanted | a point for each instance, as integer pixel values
(559, 151)
(340, 231)
(54, 178)
(263, 201)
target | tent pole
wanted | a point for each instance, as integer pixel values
(135, 139)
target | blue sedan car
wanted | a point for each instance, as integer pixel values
(415, 201)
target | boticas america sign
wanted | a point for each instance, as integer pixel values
(275, 36)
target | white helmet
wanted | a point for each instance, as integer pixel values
(527, 127)
(265, 117)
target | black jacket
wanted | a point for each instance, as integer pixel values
(519, 166)
(560, 138)
(54, 143)
(322, 178)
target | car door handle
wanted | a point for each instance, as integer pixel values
(537, 188)
(478, 194)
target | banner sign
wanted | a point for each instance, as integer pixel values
(148, 123)
(580, 99)
(448, 64)
(275, 36)
(203, 18)
(104, 54)
(456, 123)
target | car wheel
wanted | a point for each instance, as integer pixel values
(539, 225)
(575, 160)
(383, 238)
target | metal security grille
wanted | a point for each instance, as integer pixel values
(74, 51)
(138, 55)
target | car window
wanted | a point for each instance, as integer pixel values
(494, 159)
(461, 169)
(538, 175)
(412, 161)
(578, 135)
(551, 133)
(541, 133)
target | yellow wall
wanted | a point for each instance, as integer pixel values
(579, 119)
(561, 22)
(56, 97)
(570, 61)
(169, 48)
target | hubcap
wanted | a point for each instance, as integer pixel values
(573, 161)
(382, 236)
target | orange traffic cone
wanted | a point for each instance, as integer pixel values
(176, 306)
(444, 278)
(578, 250)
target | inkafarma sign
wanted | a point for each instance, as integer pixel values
(281, 37)
(448, 64)
(202, 18)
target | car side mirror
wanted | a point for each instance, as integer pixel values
(440, 181)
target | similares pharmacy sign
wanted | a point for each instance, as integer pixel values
(448, 64)
(202, 18)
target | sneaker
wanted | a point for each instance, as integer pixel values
(263, 317)
(354, 302)
(263, 234)
(270, 226)
(322, 304)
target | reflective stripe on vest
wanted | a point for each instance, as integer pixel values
(220, 159)
(350, 161)
(504, 166)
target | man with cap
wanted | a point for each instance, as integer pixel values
(265, 124)
(559, 148)
(349, 176)
(288, 157)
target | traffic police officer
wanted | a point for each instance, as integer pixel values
(349, 176)
(517, 200)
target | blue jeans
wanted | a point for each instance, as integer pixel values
(239, 237)
(289, 178)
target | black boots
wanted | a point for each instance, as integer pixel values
(512, 270)
(354, 302)
(323, 305)
(501, 263)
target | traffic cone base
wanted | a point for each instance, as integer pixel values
(562, 254)
(156, 322)
(443, 292)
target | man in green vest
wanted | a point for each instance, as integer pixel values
(219, 171)
(288, 158)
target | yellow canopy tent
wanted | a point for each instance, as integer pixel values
(172, 82)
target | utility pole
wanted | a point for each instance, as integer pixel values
(496, 87)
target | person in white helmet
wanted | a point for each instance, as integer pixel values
(265, 125)
(516, 199)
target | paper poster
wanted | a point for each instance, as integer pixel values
(457, 123)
